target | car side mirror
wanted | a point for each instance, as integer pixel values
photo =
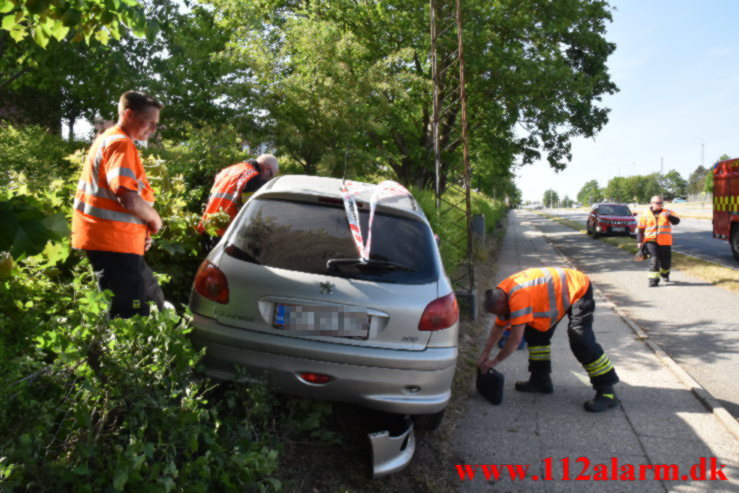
(634, 214)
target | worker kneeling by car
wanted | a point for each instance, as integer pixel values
(531, 303)
(286, 295)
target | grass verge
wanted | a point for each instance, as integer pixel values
(712, 272)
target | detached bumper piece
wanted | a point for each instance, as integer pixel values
(391, 453)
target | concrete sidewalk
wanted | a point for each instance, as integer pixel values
(659, 421)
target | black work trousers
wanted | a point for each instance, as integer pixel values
(582, 343)
(660, 259)
(130, 279)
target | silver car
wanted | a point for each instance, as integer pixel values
(286, 297)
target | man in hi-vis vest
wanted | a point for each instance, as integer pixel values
(113, 214)
(531, 303)
(655, 231)
(231, 188)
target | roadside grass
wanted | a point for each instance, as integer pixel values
(714, 273)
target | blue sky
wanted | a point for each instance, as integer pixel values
(677, 67)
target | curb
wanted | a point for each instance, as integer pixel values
(703, 396)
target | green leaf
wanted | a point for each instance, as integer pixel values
(18, 33)
(6, 6)
(59, 30)
(40, 37)
(9, 22)
(120, 478)
(103, 35)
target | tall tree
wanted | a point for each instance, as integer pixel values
(550, 199)
(696, 180)
(590, 193)
(349, 82)
(673, 185)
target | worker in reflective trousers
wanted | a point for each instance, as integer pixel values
(531, 303)
(655, 231)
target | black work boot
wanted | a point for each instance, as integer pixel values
(536, 383)
(603, 401)
(653, 282)
(666, 277)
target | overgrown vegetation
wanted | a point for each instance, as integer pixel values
(92, 404)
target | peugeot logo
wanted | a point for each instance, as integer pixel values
(327, 287)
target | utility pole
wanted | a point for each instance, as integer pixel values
(453, 173)
(703, 148)
(662, 166)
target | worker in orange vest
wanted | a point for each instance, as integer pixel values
(232, 188)
(113, 217)
(531, 303)
(654, 230)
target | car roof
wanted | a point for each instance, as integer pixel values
(297, 186)
(610, 203)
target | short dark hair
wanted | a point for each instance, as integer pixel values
(137, 102)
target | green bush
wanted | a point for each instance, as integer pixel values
(451, 228)
(116, 403)
(199, 157)
(33, 151)
(98, 405)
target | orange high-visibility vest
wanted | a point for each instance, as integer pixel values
(541, 297)
(226, 192)
(99, 221)
(656, 228)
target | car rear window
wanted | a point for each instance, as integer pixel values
(614, 210)
(304, 236)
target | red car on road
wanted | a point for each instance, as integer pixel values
(610, 219)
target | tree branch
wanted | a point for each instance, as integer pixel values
(15, 76)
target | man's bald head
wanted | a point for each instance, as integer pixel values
(496, 302)
(269, 162)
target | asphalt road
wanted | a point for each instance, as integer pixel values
(691, 237)
(694, 322)
(658, 420)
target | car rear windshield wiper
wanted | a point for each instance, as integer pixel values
(334, 263)
(240, 254)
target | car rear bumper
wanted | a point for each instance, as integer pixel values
(396, 381)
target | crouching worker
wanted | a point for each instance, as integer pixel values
(531, 303)
(232, 187)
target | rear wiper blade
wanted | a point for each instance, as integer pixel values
(240, 254)
(358, 262)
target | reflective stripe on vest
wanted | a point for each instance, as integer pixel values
(99, 221)
(101, 213)
(226, 191)
(657, 228)
(553, 313)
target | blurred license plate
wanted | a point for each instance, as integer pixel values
(618, 229)
(322, 320)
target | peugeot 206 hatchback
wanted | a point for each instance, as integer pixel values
(286, 296)
(610, 219)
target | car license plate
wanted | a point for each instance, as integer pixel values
(322, 320)
(618, 229)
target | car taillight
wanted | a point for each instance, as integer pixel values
(440, 314)
(210, 282)
(315, 378)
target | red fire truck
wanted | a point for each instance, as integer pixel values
(726, 203)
